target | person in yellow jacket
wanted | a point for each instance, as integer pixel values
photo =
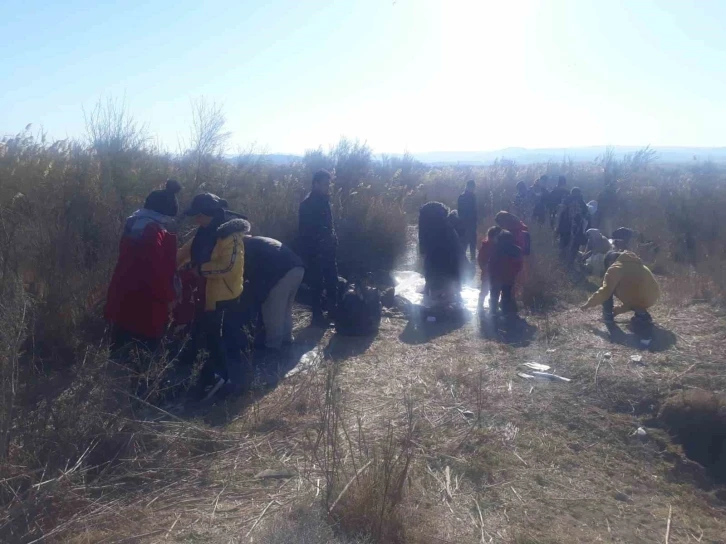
(216, 256)
(632, 282)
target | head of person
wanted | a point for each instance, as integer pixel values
(507, 220)
(492, 233)
(592, 207)
(576, 192)
(321, 182)
(205, 208)
(164, 201)
(521, 187)
(610, 258)
(470, 186)
(561, 181)
(593, 234)
(544, 180)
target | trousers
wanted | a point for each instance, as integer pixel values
(507, 303)
(277, 308)
(322, 277)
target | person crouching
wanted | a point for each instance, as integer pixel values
(633, 283)
(504, 265)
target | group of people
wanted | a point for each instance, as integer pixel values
(220, 284)
(444, 237)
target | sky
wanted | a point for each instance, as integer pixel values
(403, 75)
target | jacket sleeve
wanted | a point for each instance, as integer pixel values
(227, 253)
(184, 255)
(609, 283)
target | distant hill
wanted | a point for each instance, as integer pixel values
(523, 155)
(577, 154)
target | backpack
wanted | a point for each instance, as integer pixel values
(359, 311)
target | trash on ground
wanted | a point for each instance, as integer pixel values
(636, 358)
(550, 376)
(641, 432)
(275, 473)
(608, 355)
(525, 376)
(468, 414)
(537, 366)
(551, 350)
(309, 359)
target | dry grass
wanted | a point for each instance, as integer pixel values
(424, 434)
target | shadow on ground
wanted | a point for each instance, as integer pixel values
(662, 339)
(343, 347)
(514, 331)
(420, 329)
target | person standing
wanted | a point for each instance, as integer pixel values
(555, 199)
(467, 209)
(216, 256)
(318, 247)
(142, 289)
(505, 264)
(571, 225)
(274, 273)
(541, 196)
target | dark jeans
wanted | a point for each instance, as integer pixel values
(469, 242)
(221, 333)
(500, 296)
(321, 275)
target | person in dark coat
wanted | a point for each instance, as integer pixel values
(541, 196)
(318, 246)
(467, 209)
(142, 289)
(274, 273)
(555, 199)
(442, 252)
(572, 223)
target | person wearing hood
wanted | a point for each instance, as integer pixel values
(520, 231)
(216, 256)
(505, 264)
(318, 245)
(142, 289)
(442, 252)
(632, 282)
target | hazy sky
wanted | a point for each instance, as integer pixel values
(422, 75)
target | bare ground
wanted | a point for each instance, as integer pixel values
(496, 458)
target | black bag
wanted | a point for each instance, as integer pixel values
(359, 311)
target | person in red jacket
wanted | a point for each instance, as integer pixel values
(513, 224)
(142, 288)
(505, 264)
(485, 253)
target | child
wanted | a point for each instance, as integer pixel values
(632, 282)
(504, 265)
(519, 230)
(485, 253)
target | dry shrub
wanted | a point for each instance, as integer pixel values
(303, 524)
(698, 419)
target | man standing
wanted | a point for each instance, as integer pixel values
(556, 197)
(318, 245)
(468, 217)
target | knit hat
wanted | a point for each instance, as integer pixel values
(164, 201)
(206, 204)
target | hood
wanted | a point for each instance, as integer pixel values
(594, 234)
(233, 226)
(137, 221)
(629, 257)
